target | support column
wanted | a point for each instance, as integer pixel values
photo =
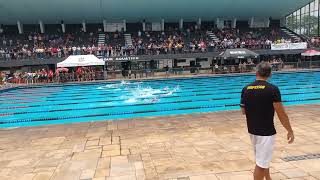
(234, 23)
(143, 26)
(41, 27)
(218, 23)
(251, 22)
(199, 23)
(104, 25)
(63, 27)
(268, 23)
(84, 27)
(162, 24)
(181, 24)
(124, 25)
(20, 28)
(282, 23)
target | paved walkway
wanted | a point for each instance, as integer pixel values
(208, 146)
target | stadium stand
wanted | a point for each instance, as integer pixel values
(36, 45)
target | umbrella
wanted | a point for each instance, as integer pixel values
(311, 53)
(240, 53)
(62, 70)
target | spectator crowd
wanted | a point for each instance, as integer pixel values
(48, 76)
(250, 38)
(44, 46)
(314, 42)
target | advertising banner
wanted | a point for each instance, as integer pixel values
(288, 46)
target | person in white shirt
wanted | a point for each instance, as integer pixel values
(83, 49)
(243, 44)
(98, 50)
(216, 67)
(59, 52)
(78, 50)
(74, 49)
(313, 40)
(29, 53)
(1, 53)
(94, 49)
(89, 49)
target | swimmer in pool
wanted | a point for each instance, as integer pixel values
(168, 93)
(154, 100)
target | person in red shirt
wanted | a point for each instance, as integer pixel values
(50, 76)
(54, 52)
(79, 72)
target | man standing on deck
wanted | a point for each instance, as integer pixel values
(259, 100)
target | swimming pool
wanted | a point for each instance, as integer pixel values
(59, 104)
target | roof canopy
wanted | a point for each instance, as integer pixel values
(81, 60)
(311, 53)
(75, 11)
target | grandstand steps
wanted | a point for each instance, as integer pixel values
(128, 39)
(101, 39)
(291, 34)
(101, 42)
(213, 36)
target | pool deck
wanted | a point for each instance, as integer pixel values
(207, 146)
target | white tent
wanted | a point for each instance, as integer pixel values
(81, 60)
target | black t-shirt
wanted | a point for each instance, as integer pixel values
(257, 98)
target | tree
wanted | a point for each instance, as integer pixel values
(308, 24)
(291, 22)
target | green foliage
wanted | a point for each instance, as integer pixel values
(308, 24)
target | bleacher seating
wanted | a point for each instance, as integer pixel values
(189, 40)
(36, 45)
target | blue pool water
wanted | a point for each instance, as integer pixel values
(57, 104)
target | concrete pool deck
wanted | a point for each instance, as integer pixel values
(206, 146)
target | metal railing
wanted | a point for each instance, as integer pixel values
(302, 65)
(162, 73)
(224, 69)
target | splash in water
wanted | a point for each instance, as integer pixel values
(124, 82)
(148, 94)
(168, 92)
(130, 100)
(154, 100)
(118, 86)
(138, 93)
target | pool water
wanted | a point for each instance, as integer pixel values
(60, 104)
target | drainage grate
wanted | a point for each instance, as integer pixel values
(302, 157)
